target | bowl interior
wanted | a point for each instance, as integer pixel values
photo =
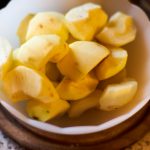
(137, 67)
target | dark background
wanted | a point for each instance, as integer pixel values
(3, 3)
(145, 4)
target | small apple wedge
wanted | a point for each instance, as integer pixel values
(39, 50)
(119, 31)
(5, 57)
(118, 95)
(81, 59)
(44, 112)
(79, 107)
(23, 82)
(23, 27)
(113, 64)
(75, 90)
(47, 23)
(85, 21)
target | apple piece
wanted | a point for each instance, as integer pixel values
(81, 59)
(75, 90)
(23, 27)
(118, 95)
(85, 21)
(113, 64)
(79, 107)
(118, 78)
(39, 50)
(52, 72)
(119, 31)
(45, 112)
(47, 23)
(5, 57)
(23, 82)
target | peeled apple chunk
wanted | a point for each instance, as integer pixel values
(52, 72)
(5, 56)
(119, 31)
(74, 90)
(39, 50)
(118, 95)
(79, 107)
(23, 81)
(47, 23)
(23, 27)
(85, 21)
(81, 59)
(113, 64)
(45, 112)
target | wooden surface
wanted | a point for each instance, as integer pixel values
(118, 137)
(142, 144)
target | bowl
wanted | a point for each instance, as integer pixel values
(138, 66)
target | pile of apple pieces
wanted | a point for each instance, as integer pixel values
(69, 63)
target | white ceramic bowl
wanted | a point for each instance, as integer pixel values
(138, 65)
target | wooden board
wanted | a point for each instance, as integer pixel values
(115, 138)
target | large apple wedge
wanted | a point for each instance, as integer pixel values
(85, 21)
(24, 82)
(23, 27)
(5, 57)
(45, 112)
(40, 49)
(75, 90)
(118, 95)
(47, 23)
(113, 64)
(81, 59)
(80, 106)
(119, 31)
